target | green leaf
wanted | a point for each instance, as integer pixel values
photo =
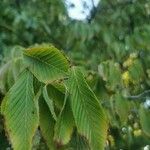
(111, 73)
(49, 102)
(16, 67)
(46, 62)
(10, 77)
(136, 71)
(55, 92)
(46, 124)
(122, 108)
(9, 72)
(89, 116)
(3, 76)
(20, 112)
(145, 120)
(64, 125)
(17, 52)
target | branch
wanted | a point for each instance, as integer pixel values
(93, 5)
(93, 12)
(134, 97)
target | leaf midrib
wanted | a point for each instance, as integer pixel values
(26, 108)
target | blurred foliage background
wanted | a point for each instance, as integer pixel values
(112, 44)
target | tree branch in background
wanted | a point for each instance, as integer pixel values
(142, 95)
(93, 12)
(93, 5)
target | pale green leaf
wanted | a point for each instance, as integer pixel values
(111, 73)
(122, 107)
(136, 71)
(145, 120)
(20, 112)
(16, 67)
(17, 52)
(3, 77)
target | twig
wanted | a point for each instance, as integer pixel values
(93, 3)
(138, 96)
(93, 12)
